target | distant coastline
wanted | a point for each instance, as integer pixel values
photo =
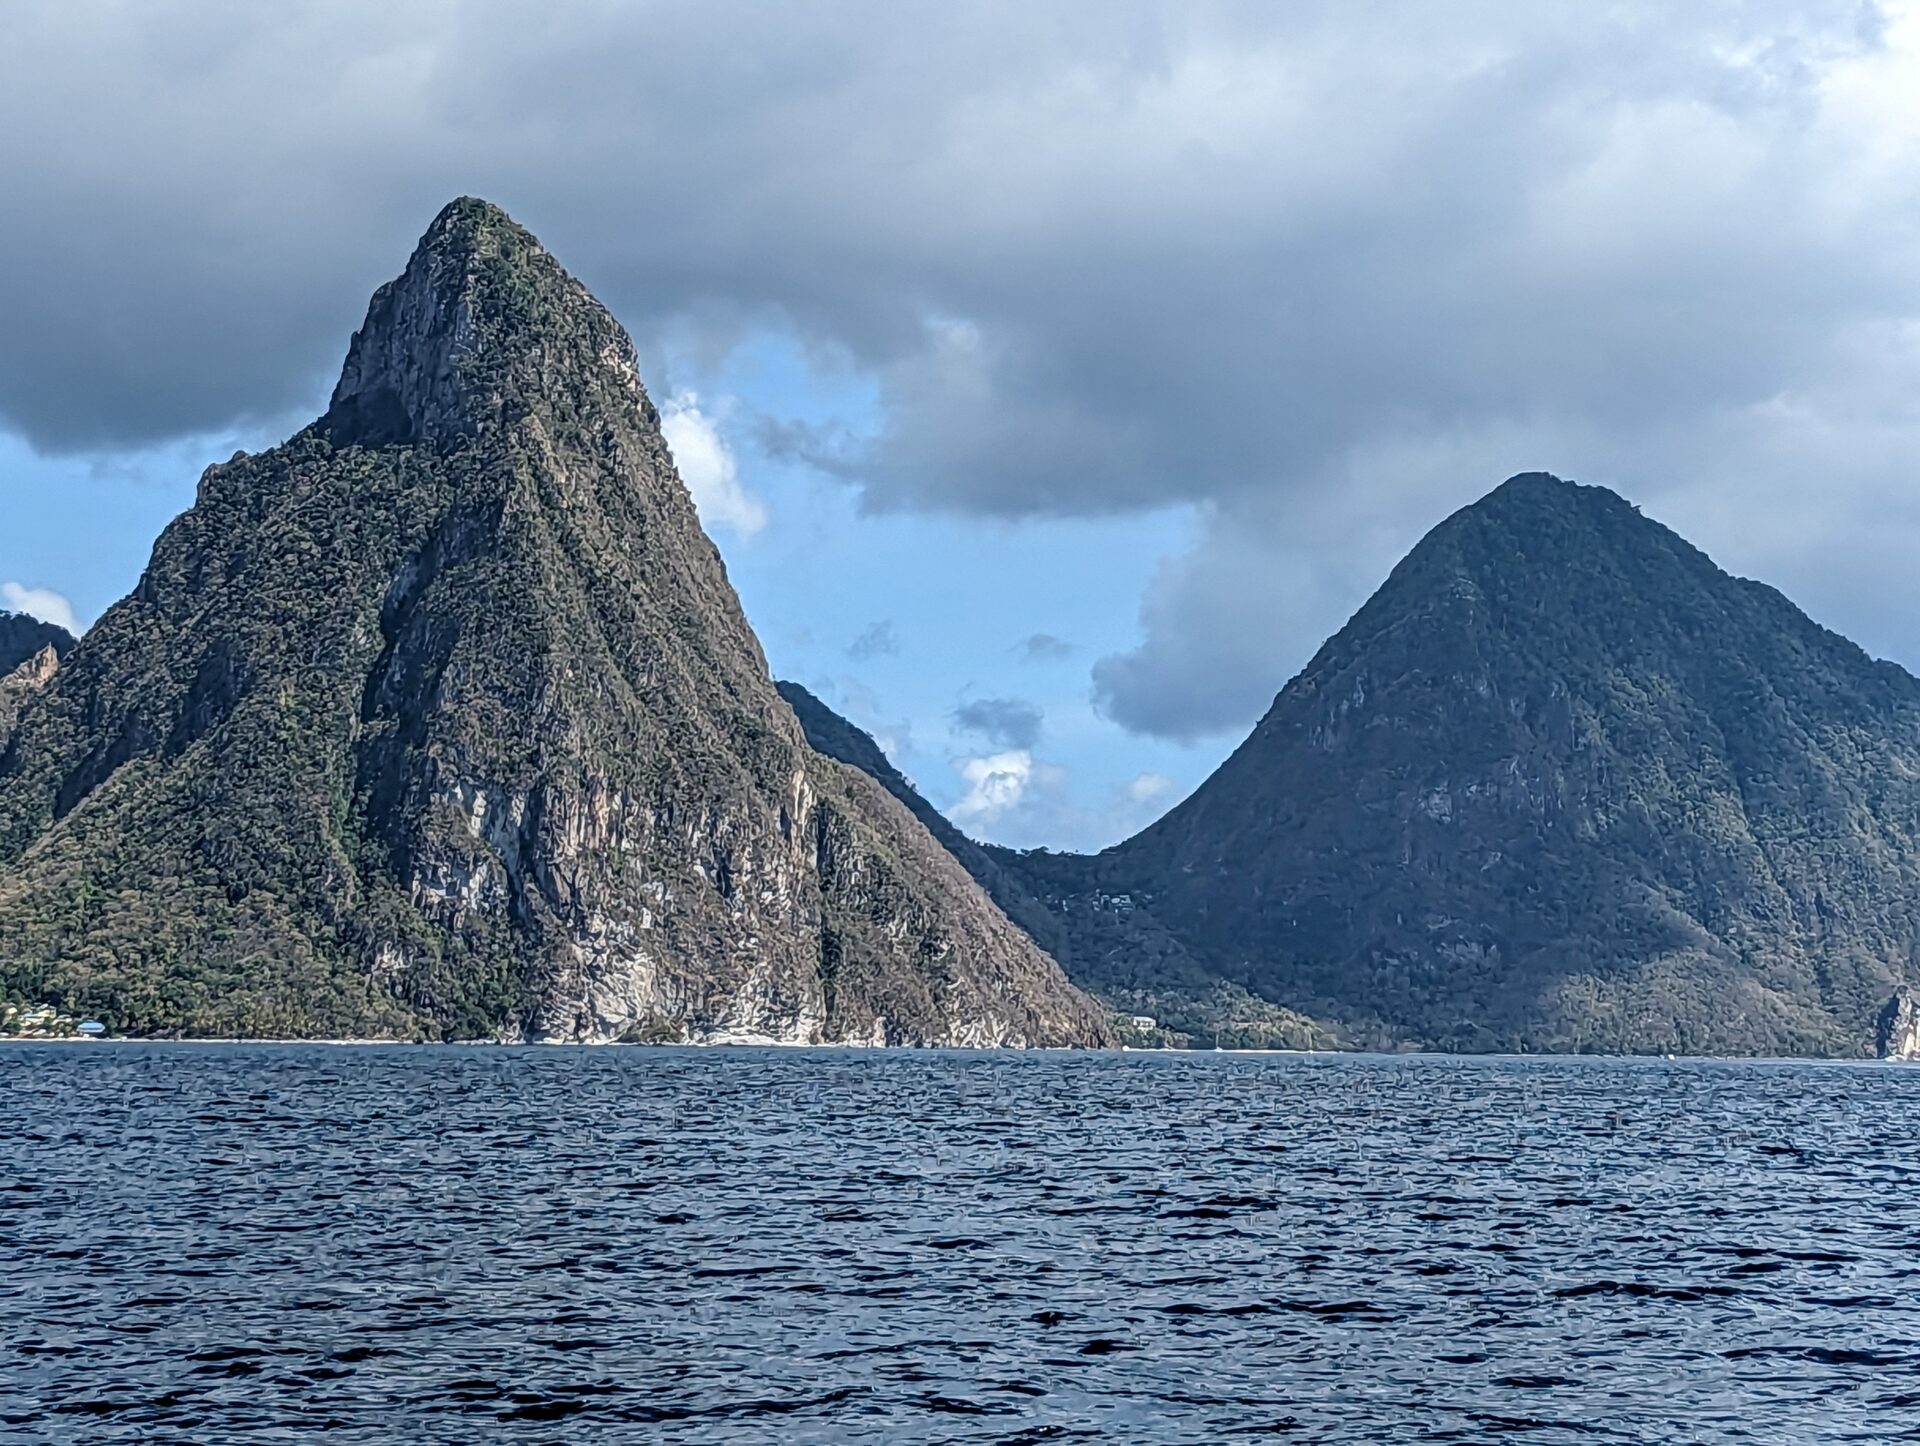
(923, 1050)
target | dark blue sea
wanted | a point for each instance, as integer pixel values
(266, 1243)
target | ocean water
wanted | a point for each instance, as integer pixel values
(237, 1243)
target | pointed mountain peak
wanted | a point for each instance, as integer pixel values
(483, 325)
(444, 720)
(467, 219)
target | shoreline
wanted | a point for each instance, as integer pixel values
(868, 1049)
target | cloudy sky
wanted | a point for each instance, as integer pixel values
(1054, 377)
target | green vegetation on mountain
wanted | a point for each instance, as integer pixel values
(1562, 784)
(442, 720)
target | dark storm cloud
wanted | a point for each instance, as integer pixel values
(1003, 722)
(1321, 270)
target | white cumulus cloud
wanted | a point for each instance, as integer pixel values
(707, 466)
(1016, 799)
(1146, 788)
(996, 784)
(42, 603)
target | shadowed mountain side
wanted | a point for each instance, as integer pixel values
(1562, 783)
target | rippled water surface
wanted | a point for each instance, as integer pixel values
(237, 1243)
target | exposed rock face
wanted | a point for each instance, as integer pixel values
(442, 718)
(1897, 1031)
(1561, 784)
(21, 637)
(18, 688)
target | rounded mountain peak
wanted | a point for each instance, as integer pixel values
(1542, 493)
(1539, 524)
